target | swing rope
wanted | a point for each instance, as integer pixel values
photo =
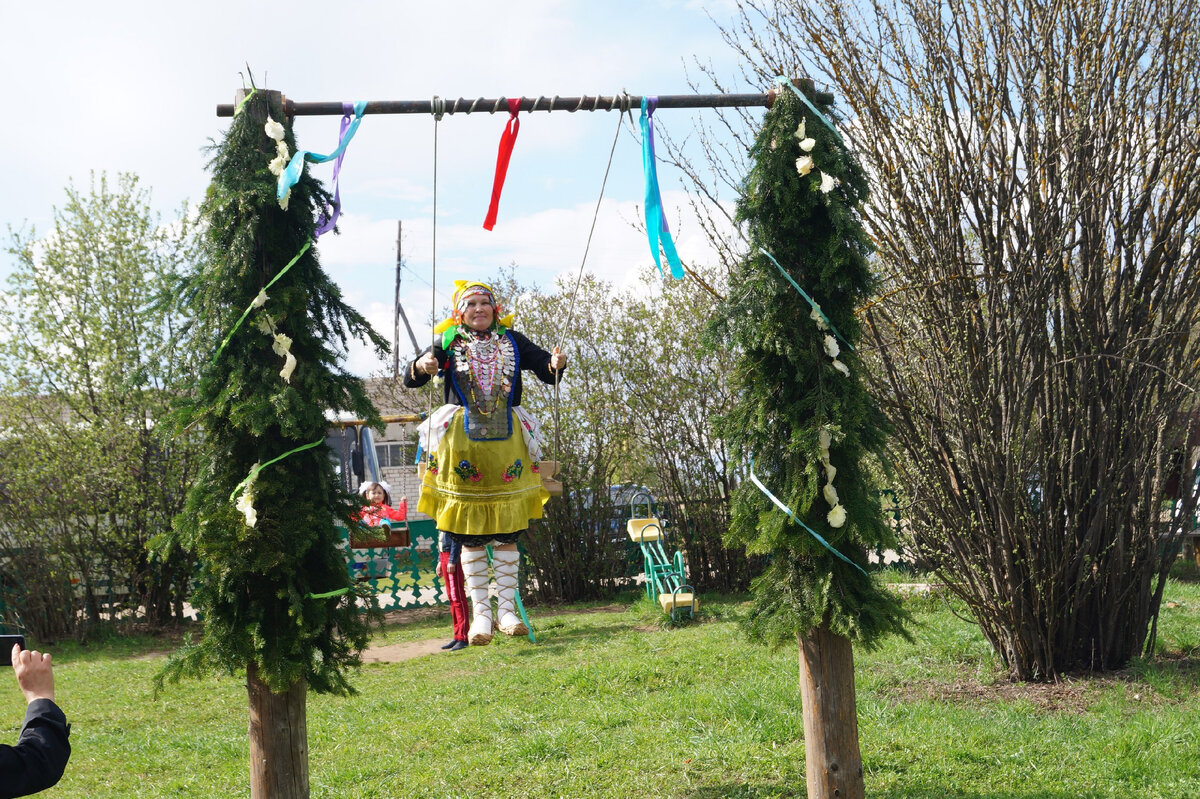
(595, 215)
(562, 335)
(437, 108)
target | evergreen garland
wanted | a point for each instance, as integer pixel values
(789, 389)
(255, 584)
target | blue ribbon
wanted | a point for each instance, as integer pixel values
(754, 479)
(782, 81)
(656, 223)
(291, 175)
(811, 302)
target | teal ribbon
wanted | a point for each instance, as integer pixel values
(754, 479)
(291, 175)
(782, 81)
(250, 307)
(520, 604)
(811, 302)
(656, 223)
(254, 472)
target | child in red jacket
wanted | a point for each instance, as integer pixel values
(379, 505)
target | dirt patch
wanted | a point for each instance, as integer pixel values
(411, 615)
(397, 653)
(1067, 695)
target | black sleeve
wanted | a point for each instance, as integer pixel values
(415, 379)
(40, 756)
(535, 359)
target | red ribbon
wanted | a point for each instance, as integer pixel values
(507, 140)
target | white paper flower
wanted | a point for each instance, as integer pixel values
(245, 504)
(804, 164)
(830, 471)
(800, 134)
(284, 202)
(830, 494)
(266, 325)
(273, 129)
(831, 346)
(825, 439)
(289, 366)
(818, 317)
(281, 345)
(827, 183)
(841, 367)
(281, 151)
(807, 145)
(259, 300)
(836, 517)
(277, 166)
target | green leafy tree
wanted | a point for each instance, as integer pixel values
(266, 539)
(805, 421)
(675, 390)
(91, 351)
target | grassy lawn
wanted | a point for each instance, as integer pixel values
(618, 704)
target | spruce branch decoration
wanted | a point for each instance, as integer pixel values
(276, 594)
(804, 417)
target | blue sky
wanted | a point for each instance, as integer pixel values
(133, 86)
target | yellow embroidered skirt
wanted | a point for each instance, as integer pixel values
(481, 487)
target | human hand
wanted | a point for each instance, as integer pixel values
(438, 571)
(558, 361)
(427, 363)
(450, 568)
(34, 675)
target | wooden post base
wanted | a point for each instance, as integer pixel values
(278, 740)
(833, 762)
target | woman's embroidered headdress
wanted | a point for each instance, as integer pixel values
(464, 290)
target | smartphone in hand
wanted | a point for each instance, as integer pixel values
(6, 645)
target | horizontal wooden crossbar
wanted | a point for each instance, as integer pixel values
(439, 106)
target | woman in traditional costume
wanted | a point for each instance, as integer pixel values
(481, 483)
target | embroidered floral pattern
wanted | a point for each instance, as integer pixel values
(513, 471)
(467, 471)
(535, 468)
(433, 466)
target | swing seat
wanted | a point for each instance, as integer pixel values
(671, 602)
(644, 529)
(548, 470)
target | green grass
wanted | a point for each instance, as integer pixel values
(626, 704)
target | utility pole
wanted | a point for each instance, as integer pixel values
(399, 315)
(396, 315)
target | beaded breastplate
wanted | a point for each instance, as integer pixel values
(483, 373)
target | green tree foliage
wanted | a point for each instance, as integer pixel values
(789, 391)
(637, 407)
(675, 390)
(256, 584)
(574, 552)
(91, 352)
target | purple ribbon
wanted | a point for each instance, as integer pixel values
(329, 216)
